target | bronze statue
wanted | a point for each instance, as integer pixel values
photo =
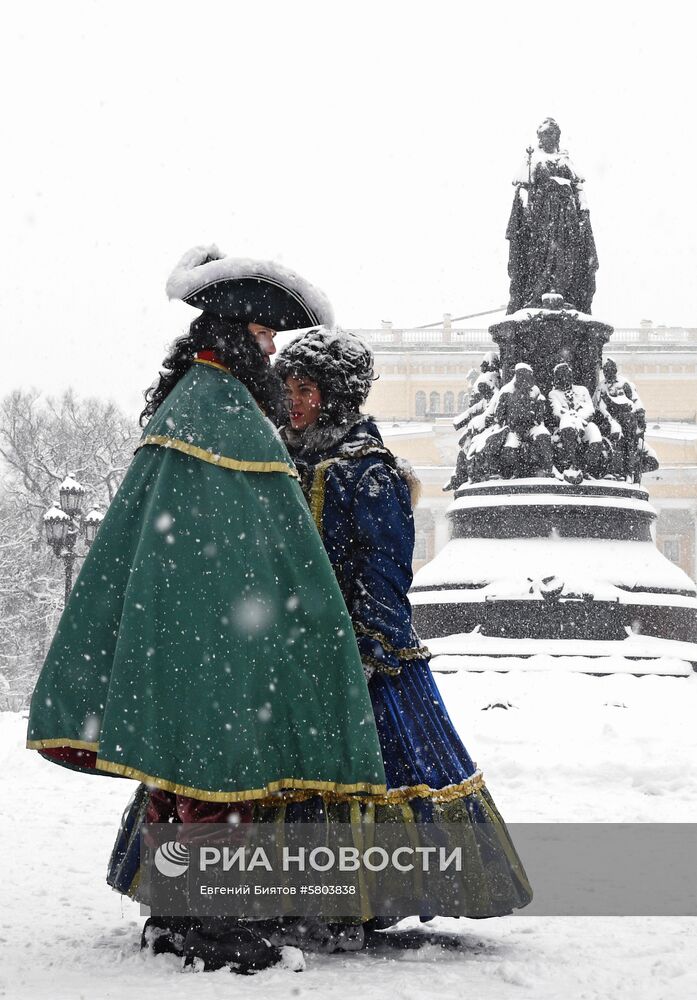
(577, 438)
(471, 424)
(475, 420)
(491, 365)
(618, 401)
(520, 411)
(552, 248)
(516, 431)
(483, 448)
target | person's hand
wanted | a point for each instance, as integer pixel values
(368, 670)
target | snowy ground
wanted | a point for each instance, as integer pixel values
(570, 747)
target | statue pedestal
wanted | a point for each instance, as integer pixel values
(545, 337)
(536, 566)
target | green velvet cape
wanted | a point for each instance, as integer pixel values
(206, 647)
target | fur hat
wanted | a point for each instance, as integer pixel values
(255, 291)
(338, 361)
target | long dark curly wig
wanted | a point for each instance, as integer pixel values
(237, 349)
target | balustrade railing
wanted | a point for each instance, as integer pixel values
(479, 339)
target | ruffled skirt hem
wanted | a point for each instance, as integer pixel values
(492, 881)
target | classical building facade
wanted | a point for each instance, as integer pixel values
(425, 376)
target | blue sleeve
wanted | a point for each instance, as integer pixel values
(384, 545)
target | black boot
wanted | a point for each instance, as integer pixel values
(165, 935)
(317, 936)
(219, 942)
(380, 939)
(349, 937)
(378, 936)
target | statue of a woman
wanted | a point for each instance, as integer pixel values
(551, 240)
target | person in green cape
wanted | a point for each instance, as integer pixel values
(206, 649)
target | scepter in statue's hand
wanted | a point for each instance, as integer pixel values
(529, 150)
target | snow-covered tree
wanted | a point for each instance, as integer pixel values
(41, 442)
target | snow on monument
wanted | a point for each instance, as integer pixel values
(552, 551)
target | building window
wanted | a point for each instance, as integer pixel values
(449, 403)
(420, 404)
(424, 530)
(420, 547)
(462, 400)
(435, 402)
(671, 549)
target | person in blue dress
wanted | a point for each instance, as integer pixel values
(361, 498)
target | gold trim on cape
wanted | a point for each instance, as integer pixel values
(268, 791)
(237, 465)
(213, 364)
(285, 789)
(62, 741)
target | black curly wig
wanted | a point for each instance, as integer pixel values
(338, 362)
(237, 349)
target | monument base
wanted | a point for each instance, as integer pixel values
(539, 567)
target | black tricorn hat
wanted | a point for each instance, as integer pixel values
(254, 291)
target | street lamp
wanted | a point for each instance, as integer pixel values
(91, 524)
(65, 522)
(56, 523)
(72, 496)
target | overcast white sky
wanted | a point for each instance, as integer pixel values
(369, 145)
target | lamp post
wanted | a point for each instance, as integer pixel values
(91, 524)
(66, 522)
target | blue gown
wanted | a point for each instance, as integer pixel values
(361, 501)
(360, 496)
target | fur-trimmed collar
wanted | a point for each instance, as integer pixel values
(318, 443)
(406, 471)
(318, 440)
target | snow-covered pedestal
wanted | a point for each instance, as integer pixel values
(545, 336)
(539, 568)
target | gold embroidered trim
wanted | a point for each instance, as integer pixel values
(235, 464)
(131, 891)
(380, 665)
(212, 364)
(399, 796)
(278, 791)
(267, 791)
(318, 492)
(62, 741)
(413, 653)
(446, 794)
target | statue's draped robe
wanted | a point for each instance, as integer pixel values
(552, 247)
